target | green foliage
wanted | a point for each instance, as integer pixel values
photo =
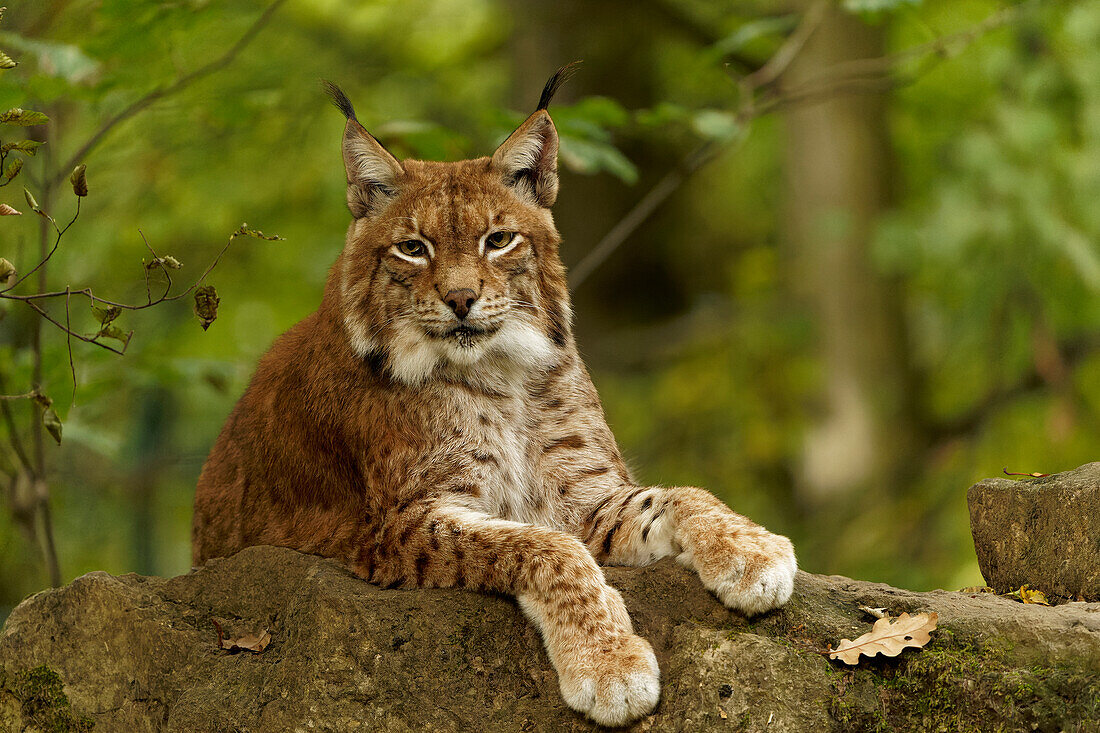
(991, 243)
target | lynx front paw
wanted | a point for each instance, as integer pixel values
(613, 686)
(750, 575)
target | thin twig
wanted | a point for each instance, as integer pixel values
(151, 302)
(46, 255)
(49, 546)
(770, 72)
(61, 326)
(13, 434)
(69, 345)
(178, 85)
(25, 396)
(640, 212)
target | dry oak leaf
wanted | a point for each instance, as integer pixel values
(248, 643)
(888, 639)
(1026, 595)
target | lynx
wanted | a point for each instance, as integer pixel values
(432, 424)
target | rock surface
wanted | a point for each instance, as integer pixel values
(140, 654)
(1041, 532)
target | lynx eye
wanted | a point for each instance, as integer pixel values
(412, 248)
(499, 240)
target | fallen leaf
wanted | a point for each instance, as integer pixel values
(1034, 596)
(888, 638)
(876, 612)
(247, 643)
(1032, 475)
(1026, 595)
(976, 589)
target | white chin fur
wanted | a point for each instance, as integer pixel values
(517, 348)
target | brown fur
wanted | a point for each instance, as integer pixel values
(378, 432)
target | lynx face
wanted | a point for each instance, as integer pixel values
(452, 269)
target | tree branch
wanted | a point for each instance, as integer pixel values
(175, 87)
(760, 95)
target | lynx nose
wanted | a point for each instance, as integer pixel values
(460, 301)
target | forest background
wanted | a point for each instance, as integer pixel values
(835, 262)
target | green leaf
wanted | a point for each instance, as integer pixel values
(752, 30)
(31, 202)
(106, 315)
(595, 110)
(206, 303)
(7, 271)
(52, 423)
(23, 117)
(592, 156)
(714, 124)
(665, 113)
(6, 61)
(876, 6)
(13, 168)
(30, 147)
(79, 180)
(111, 331)
(161, 262)
(55, 59)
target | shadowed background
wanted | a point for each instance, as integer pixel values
(857, 296)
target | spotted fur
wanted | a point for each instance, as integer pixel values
(426, 450)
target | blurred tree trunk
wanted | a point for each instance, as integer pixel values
(839, 174)
(151, 444)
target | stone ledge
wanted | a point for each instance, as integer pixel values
(139, 654)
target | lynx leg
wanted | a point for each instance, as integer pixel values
(749, 568)
(604, 670)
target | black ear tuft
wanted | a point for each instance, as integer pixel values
(336, 94)
(560, 76)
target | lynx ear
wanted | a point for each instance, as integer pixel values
(528, 160)
(373, 173)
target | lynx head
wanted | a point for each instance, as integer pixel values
(451, 269)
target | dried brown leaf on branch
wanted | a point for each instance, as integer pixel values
(888, 637)
(254, 643)
(206, 305)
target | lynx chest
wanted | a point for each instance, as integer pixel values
(497, 441)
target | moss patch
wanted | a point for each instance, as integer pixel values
(947, 687)
(44, 704)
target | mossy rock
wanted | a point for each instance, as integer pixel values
(140, 654)
(34, 700)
